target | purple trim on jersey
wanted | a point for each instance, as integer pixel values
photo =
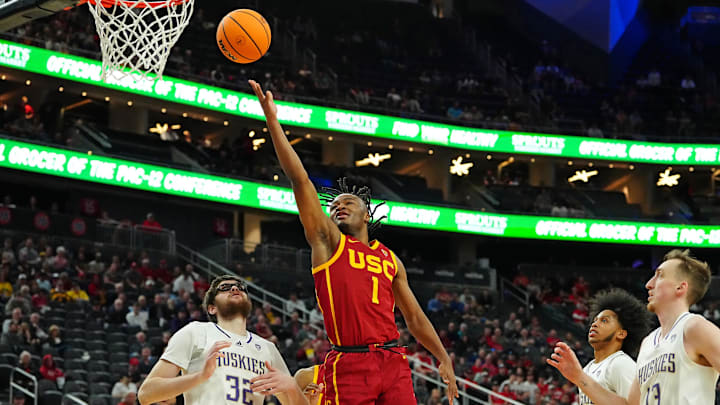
(249, 334)
(671, 329)
(222, 331)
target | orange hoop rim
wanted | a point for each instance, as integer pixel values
(135, 4)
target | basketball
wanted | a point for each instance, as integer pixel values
(243, 36)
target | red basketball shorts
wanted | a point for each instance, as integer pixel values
(378, 377)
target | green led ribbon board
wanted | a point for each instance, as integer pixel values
(82, 70)
(122, 173)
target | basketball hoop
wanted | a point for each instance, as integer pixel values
(136, 36)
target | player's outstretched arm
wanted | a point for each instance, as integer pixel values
(319, 229)
(421, 327)
(163, 382)
(564, 359)
(702, 339)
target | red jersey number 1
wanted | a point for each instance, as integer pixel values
(375, 299)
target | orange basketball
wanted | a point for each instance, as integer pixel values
(243, 36)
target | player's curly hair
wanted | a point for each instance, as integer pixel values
(328, 194)
(631, 312)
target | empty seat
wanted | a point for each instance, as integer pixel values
(96, 335)
(78, 395)
(56, 313)
(98, 400)
(76, 315)
(108, 400)
(99, 377)
(76, 374)
(94, 325)
(118, 347)
(76, 323)
(155, 341)
(55, 321)
(98, 365)
(75, 334)
(50, 398)
(10, 358)
(5, 371)
(119, 368)
(75, 364)
(74, 306)
(99, 388)
(76, 343)
(96, 345)
(50, 350)
(98, 355)
(154, 332)
(75, 386)
(46, 385)
(116, 337)
(74, 354)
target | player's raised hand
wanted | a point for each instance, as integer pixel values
(564, 359)
(211, 361)
(266, 99)
(448, 377)
(273, 382)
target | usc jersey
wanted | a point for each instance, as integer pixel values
(354, 292)
(319, 378)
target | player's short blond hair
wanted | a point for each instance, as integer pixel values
(696, 272)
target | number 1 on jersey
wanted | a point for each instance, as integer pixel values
(376, 283)
(653, 392)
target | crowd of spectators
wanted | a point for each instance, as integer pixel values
(500, 350)
(63, 307)
(59, 304)
(455, 92)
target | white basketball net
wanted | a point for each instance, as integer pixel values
(136, 36)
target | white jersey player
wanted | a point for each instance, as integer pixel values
(679, 362)
(663, 361)
(220, 361)
(614, 372)
(619, 322)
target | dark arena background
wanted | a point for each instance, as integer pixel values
(531, 153)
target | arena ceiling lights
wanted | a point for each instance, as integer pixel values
(139, 176)
(82, 70)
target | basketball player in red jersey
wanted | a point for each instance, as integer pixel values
(357, 283)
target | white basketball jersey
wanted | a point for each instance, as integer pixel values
(230, 384)
(615, 373)
(667, 375)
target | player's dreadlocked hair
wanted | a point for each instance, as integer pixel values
(327, 196)
(631, 312)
